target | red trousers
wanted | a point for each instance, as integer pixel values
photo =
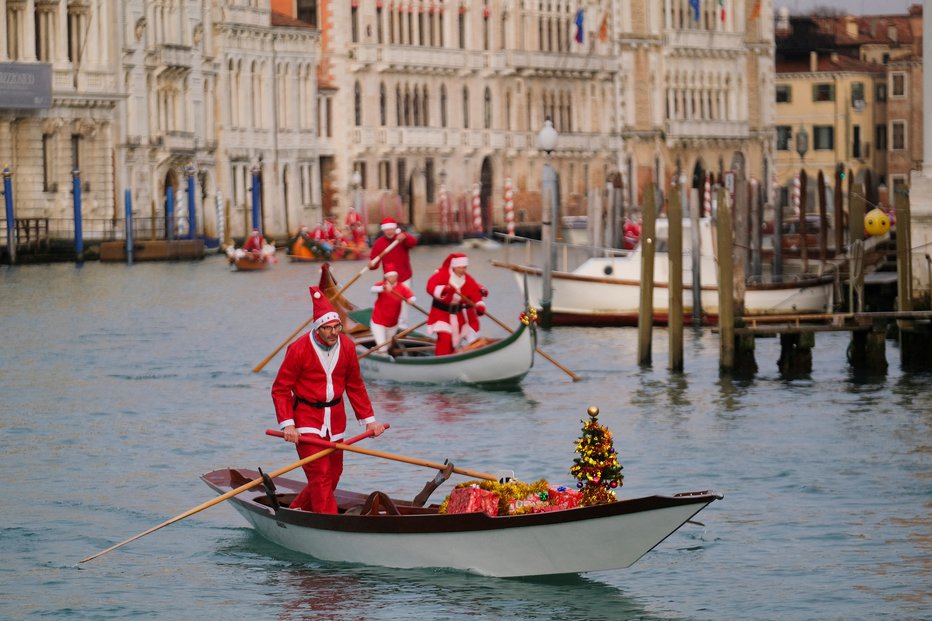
(444, 346)
(322, 477)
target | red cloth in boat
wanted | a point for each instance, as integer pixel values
(397, 256)
(473, 499)
(387, 308)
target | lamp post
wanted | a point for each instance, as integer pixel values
(802, 142)
(547, 142)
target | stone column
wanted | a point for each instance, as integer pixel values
(920, 190)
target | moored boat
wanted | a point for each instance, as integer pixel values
(400, 534)
(605, 289)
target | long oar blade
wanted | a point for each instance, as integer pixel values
(228, 495)
(305, 439)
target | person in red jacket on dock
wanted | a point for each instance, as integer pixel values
(318, 370)
(453, 319)
(397, 256)
(391, 295)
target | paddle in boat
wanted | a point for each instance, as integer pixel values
(486, 363)
(605, 289)
(481, 528)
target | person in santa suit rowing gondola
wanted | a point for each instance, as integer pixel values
(391, 295)
(318, 370)
(453, 320)
(397, 256)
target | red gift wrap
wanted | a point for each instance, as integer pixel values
(472, 500)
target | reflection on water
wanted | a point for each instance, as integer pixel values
(339, 592)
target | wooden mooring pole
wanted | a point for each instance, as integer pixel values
(726, 308)
(648, 247)
(675, 304)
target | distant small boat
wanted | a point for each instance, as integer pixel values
(605, 290)
(596, 538)
(243, 261)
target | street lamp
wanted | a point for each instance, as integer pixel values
(547, 142)
(802, 142)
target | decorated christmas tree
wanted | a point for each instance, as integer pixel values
(596, 469)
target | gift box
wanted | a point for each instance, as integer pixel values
(473, 499)
(526, 505)
(564, 497)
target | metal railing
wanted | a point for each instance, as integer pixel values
(532, 252)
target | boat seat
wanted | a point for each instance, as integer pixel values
(377, 503)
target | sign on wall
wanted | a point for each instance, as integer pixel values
(25, 85)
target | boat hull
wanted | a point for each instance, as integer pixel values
(502, 364)
(571, 541)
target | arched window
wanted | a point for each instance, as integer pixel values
(416, 106)
(425, 107)
(399, 105)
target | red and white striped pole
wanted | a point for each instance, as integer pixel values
(444, 210)
(476, 209)
(796, 192)
(509, 207)
(707, 196)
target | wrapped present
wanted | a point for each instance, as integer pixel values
(526, 505)
(565, 497)
(471, 500)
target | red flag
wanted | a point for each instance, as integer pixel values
(755, 12)
(603, 28)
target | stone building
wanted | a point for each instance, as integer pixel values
(430, 93)
(144, 96)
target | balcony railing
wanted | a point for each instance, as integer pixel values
(708, 129)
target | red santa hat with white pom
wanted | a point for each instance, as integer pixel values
(324, 314)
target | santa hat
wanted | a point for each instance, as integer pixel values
(323, 311)
(390, 268)
(458, 260)
(388, 223)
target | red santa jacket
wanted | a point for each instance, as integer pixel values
(397, 256)
(387, 308)
(445, 298)
(309, 374)
(254, 243)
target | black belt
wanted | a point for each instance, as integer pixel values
(317, 404)
(449, 308)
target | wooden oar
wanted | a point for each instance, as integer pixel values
(316, 441)
(262, 364)
(392, 340)
(230, 494)
(575, 377)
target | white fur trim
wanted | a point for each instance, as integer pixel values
(366, 421)
(388, 225)
(459, 262)
(325, 318)
(286, 423)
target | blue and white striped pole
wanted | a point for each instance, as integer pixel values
(170, 213)
(10, 220)
(128, 203)
(256, 197)
(78, 231)
(192, 213)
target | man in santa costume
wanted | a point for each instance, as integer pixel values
(453, 319)
(318, 370)
(397, 256)
(391, 295)
(254, 243)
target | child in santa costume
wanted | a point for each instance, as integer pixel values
(318, 370)
(452, 318)
(391, 295)
(397, 256)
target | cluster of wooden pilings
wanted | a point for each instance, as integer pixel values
(797, 333)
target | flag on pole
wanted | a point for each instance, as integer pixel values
(695, 6)
(603, 28)
(579, 25)
(721, 3)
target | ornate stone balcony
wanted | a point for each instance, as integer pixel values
(708, 41)
(707, 129)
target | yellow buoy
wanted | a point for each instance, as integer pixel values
(876, 222)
